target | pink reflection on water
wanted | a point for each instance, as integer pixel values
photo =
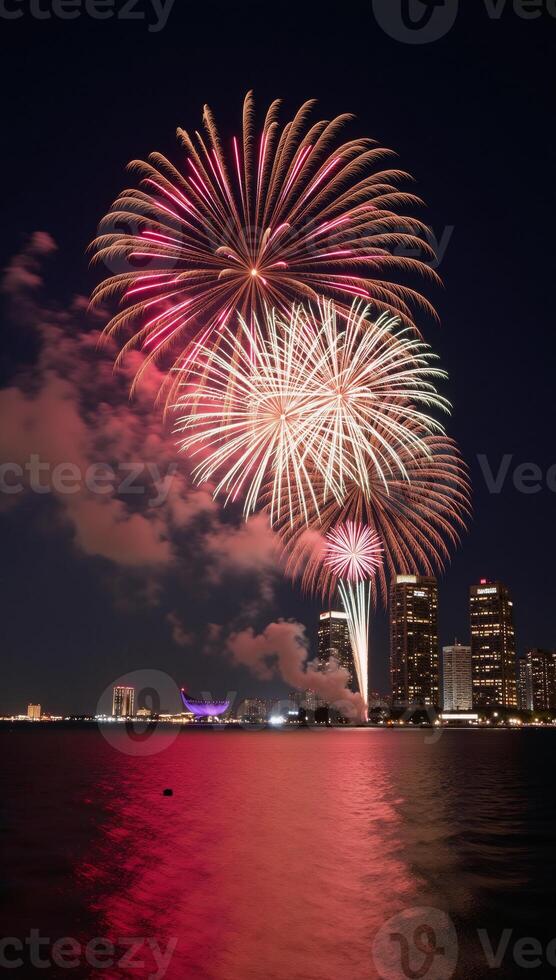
(278, 855)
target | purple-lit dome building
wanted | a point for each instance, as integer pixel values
(202, 708)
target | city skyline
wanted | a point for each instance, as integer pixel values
(532, 683)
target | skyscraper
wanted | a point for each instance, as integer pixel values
(414, 640)
(253, 711)
(524, 686)
(492, 645)
(123, 700)
(34, 712)
(539, 671)
(311, 700)
(334, 642)
(457, 678)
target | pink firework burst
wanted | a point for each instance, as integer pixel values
(283, 215)
(354, 551)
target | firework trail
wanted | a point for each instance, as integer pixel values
(307, 401)
(356, 600)
(354, 553)
(277, 217)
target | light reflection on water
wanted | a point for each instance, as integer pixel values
(280, 854)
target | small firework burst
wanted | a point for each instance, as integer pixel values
(354, 551)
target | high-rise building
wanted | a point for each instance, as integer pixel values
(334, 642)
(538, 668)
(312, 700)
(524, 686)
(414, 640)
(123, 701)
(307, 700)
(457, 678)
(253, 711)
(492, 645)
(34, 711)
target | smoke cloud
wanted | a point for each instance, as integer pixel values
(281, 650)
(107, 465)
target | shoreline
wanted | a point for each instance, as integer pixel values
(87, 724)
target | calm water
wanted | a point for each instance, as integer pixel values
(281, 855)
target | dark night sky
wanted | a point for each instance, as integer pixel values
(471, 117)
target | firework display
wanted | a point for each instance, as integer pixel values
(284, 215)
(267, 277)
(307, 398)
